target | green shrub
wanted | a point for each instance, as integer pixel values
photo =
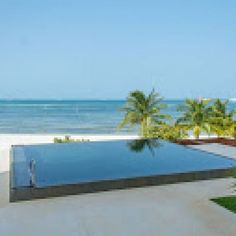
(168, 132)
(234, 131)
(68, 139)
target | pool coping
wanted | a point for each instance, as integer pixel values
(31, 193)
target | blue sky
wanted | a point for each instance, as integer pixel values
(103, 49)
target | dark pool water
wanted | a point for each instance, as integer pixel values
(59, 164)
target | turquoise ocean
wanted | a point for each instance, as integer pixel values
(68, 117)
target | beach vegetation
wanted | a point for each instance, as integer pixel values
(169, 132)
(195, 116)
(221, 119)
(232, 130)
(68, 139)
(144, 111)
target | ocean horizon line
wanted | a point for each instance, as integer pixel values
(92, 99)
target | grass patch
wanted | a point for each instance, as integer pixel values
(227, 202)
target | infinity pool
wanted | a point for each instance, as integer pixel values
(105, 165)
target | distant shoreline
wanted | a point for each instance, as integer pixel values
(90, 100)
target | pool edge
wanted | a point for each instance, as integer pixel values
(30, 193)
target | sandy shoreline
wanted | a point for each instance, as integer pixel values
(17, 139)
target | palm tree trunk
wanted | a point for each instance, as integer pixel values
(196, 132)
(144, 128)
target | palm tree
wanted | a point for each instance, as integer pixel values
(143, 111)
(221, 119)
(195, 116)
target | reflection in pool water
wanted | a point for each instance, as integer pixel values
(72, 163)
(71, 168)
(140, 145)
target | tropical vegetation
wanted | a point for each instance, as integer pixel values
(171, 132)
(232, 130)
(221, 120)
(196, 117)
(68, 139)
(143, 111)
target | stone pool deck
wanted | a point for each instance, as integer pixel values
(223, 150)
(177, 209)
